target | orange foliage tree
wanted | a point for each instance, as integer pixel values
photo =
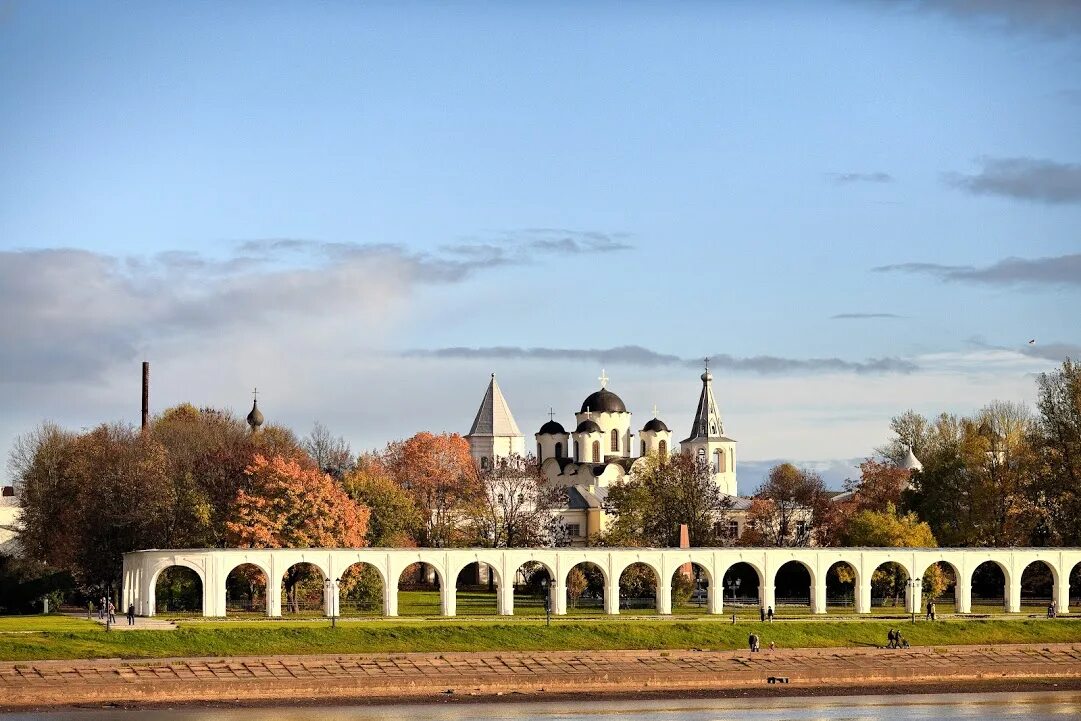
(289, 506)
(439, 473)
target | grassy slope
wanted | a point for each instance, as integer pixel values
(70, 638)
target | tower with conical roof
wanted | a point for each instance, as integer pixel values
(494, 434)
(707, 441)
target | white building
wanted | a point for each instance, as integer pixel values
(602, 449)
(9, 516)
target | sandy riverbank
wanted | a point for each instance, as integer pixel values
(464, 678)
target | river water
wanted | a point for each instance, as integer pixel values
(1042, 706)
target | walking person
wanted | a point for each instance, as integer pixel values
(934, 612)
(891, 638)
(769, 614)
(930, 610)
(762, 614)
(112, 612)
(101, 608)
(751, 639)
(131, 614)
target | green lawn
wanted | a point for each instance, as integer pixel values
(29, 638)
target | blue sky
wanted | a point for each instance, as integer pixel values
(321, 200)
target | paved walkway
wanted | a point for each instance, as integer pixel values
(419, 676)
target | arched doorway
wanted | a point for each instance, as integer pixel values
(792, 589)
(361, 591)
(691, 588)
(476, 590)
(178, 591)
(741, 586)
(1037, 587)
(1075, 587)
(419, 587)
(638, 589)
(303, 590)
(246, 591)
(889, 589)
(532, 582)
(940, 588)
(989, 588)
(841, 588)
(585, 586)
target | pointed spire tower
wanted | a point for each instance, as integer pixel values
(707, 440)
(494, 433)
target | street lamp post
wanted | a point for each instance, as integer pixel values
(912, 586)
(332, 599)
(733, 586)
(547, 601)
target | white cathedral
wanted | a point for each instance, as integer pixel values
(600, 451)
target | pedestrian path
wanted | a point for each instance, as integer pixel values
(141, 624)
(414, 676)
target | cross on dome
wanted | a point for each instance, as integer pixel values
(603, 379)
(551, 413)
(654, 410)
(255, 394)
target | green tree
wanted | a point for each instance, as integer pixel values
(1057, 452)
(663, 493)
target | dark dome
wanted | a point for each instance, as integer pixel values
(656, 425)
(603, 401)
(552, 428)
(587, 426)
(255, 417)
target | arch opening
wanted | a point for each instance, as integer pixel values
(532, 583)
(178, 591)
(792, 588)
(361, 591)
(742, 587)
(889, 587)
(690, 589)
(989, 592)
(475, 589)
(419, 586)
(1075, 587)
(638, 589)
(246, 591)
(841, 588)
(1037, 586)
(585, 584)
(303, 590)
(940, 589)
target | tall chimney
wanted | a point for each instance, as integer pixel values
(146, 394)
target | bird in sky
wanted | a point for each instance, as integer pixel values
(1032, 342)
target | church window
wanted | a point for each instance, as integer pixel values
(662, 449)
(718, 460)
(733, 529)
(615, 441)
(574, 530)
(559, 450)
(539, 453)
(485, 464)
(596, 451)
(643, 448)
(577, 452)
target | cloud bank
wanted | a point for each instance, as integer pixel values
(1051, 18)
(850, 178)
(863, 316)
(638, 356)
(70, 314)
(1033, 179)
(1062, 270)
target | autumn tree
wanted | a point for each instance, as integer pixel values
(514, 506)
(395, 519)
(438, 472)
(662, 494)
(787, 508)
(289, 506)
(888, 528)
